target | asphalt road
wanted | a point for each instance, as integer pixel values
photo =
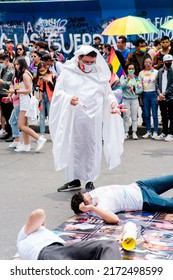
(28, 181)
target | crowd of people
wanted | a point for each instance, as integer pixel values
(146, 81)
(26, 72)
(89, 108)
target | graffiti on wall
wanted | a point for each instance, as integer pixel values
(66, 33)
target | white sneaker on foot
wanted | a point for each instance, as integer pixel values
(126, 135)
(134, 136)
(2, 132)
(162, 136)
(155, 135)
(23, 148)
(14, 144)
(146, 135)
(169, 138)
(40, 143)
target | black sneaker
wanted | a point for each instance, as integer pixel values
(89, 187)
(73, 185)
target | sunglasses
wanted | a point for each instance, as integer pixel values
(19, 49)
(30, 45)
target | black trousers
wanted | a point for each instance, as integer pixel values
(164, 114)
(84, 250)
(7, 108)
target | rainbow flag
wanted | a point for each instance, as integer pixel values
(117, 67)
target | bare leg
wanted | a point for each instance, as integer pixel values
(35, 221)
(23, 126)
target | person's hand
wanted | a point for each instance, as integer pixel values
(85, 208)
(161, 96)
(1, 81)
(46, 79)
(74, 101)
(118, 109)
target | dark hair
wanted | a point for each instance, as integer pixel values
(40, 65)
(76, 200)
(164, 38)
(131, 63)
(157, 42)
(123, 38)
(38, 53)
(108, 46)
(23, 48)
(47, 57)
(41, 44)
(4, 56)
(92, 54)
(139, 41)
(23, 66)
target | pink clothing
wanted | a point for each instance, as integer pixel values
(16, 100)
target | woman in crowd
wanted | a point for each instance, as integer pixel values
(23, 87)
(45, 81)
(132, 87)
(21, 51)
(149, 97)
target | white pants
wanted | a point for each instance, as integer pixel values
(132, 111)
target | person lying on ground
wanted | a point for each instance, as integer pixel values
(35, 241)
(108, 200)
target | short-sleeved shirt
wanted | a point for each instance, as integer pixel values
(117, 198)
(29, 246)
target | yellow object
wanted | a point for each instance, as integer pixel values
(168, 24)
(130, 25)
(129, 236)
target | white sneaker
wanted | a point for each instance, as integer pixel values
(14, 144)
(169, 138)
(146, 135)
(155, 135)
(2, 132)
(126, 135)
(40, 143)
(134, 136)
(162, 136)
(23, 148)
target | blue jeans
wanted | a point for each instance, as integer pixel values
(13, 121)
(151, 190)
(44, 112)
(149, 103)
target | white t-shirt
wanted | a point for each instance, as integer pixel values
(117, 198)
(164, 80)
(148, 78)
(29, 246)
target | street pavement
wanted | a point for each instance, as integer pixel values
(28, 181)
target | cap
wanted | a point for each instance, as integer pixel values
(46, 57)
(167, 57)
(9, 41)
(97, 38)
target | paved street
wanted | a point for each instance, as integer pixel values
(28, 181)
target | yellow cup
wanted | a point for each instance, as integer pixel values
(129, 236)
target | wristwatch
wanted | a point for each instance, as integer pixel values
(15, 91)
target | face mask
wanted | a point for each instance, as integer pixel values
(143, 49)
(131, 71)
(43, 73)
(2, 65)
(88, 67)
(30, 48)
(168, 64)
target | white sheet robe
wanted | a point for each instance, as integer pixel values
(76, 131)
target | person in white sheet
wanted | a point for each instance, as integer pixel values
(82, 113)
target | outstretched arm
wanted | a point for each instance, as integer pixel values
(35, 221)
(106, 215)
